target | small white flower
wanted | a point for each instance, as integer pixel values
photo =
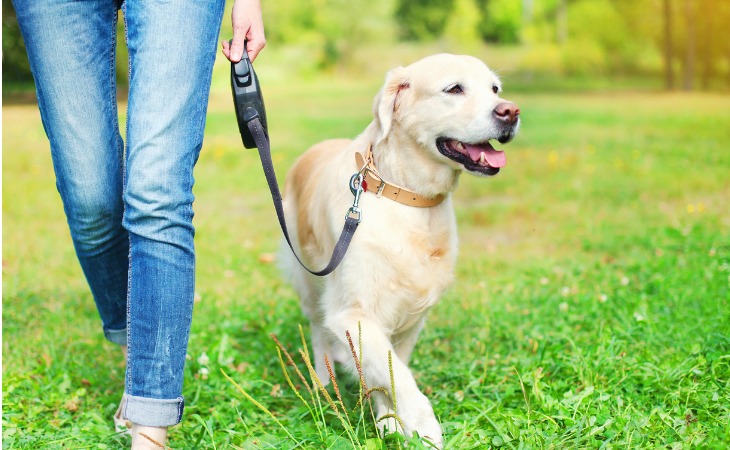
(624, 281)
(603, 298)
(565, 291)
(203, 373)
(203, 359)
(563, 307)
(639, 317)
(544, 281)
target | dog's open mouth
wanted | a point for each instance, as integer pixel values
(481, 158)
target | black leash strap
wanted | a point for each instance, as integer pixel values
(352, 218)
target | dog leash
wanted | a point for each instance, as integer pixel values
(251, 116)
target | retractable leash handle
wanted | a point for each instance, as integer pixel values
(247, 98)
(251, 115)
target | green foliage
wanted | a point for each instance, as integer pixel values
(331, 30)
(15, 62)
(502, 21)
(423, 19)
(576, 38)
(288, 22)
(597, 38)
(463, 24)
(463, 21)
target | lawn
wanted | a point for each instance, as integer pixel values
(591, 307)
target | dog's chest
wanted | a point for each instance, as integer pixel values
(411, 264)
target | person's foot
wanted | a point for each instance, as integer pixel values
(148, 438)
(121, 425)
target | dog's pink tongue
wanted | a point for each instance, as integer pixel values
(494, 158)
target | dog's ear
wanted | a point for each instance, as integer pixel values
(387, 100)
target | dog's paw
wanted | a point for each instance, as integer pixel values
(418, 416)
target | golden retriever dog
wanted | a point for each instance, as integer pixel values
(433, 120)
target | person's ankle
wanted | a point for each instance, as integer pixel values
(148, 438)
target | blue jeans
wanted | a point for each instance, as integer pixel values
(130, 213)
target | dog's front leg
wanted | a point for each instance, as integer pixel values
(320, 347)
(405, 341)
(409, 404)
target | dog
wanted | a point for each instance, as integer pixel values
(433, 120)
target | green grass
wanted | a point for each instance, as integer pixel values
(591, 307)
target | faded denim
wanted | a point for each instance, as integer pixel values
(129, 209)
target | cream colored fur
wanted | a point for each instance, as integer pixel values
(401, 258)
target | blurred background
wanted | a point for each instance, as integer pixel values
(579, 44)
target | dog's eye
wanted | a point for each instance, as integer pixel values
(454, 89)
(495, 88)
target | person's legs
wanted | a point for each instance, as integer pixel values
(71, 51)
(172, 48)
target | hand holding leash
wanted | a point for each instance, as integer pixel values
(248, 26)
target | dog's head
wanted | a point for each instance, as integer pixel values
(450, 106)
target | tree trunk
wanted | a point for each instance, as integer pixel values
(668, 48)
(707, 45)
(562, 21)
(690, 52)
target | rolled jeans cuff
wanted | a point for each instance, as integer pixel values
(153, 412)
(116, 336)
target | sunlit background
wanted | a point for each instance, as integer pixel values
(653, 44)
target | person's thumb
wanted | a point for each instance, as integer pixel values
(237, 45)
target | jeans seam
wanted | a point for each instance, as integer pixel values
(119, 143)
(130, 347)
(113, 71)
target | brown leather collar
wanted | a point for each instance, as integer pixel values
(374, 183)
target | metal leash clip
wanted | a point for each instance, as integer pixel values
(356, 188)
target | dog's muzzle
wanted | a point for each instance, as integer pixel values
(507, 115)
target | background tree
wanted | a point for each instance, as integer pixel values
(422, 19)
(501, 21)
(690, 53)
(463, 24)
(682, 42)
(668, 45)
(15, 61)
(330, 29)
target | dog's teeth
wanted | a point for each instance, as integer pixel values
(483, 159)
(460, 146)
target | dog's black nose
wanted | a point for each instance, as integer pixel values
(506, 137)
(507, 112)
